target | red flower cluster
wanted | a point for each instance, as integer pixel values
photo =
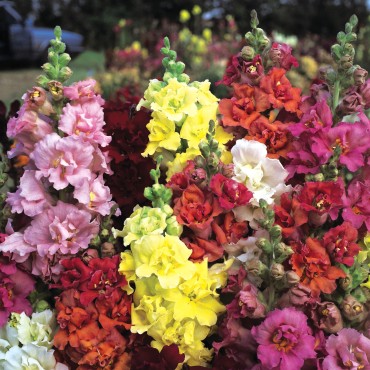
(93, 313)
(204, 210)
(257, 96)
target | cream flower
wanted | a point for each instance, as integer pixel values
(263, 176)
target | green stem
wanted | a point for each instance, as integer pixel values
(336, 95)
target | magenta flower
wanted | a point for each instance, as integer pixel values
(85, 120)
(349, 349)
(357, 204)
(15, 286)
(351, 138)
(26, 130)
(63, 161)
(63, 228)
(314, 119)
(30, 197)
(284, 339)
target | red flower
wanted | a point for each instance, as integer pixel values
(202, 248)
(312, 264)
(75, 273)
(280, 92)
(230, 193)
(228, 230)
(196, 209)
(316, 201)
(340, 243)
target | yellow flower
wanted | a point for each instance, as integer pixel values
(180, 161)
(127, 269)
(204, 95)
(154, 87)
(164, 256)
(207, 34)
(176, 100)
(143, 221)
(162, 134)
(195, 128)
(194, 298)
(196, 10)
(184, 16)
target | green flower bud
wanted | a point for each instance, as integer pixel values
(173, 227)
(247, 53)
(41, 305)
(65, 73)
(277, 271)
(275, 232)
(265, 245)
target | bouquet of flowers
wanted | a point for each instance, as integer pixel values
(248, 244)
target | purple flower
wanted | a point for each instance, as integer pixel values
(349, 349)
(63, 228)
(63, 161)
(284, 339)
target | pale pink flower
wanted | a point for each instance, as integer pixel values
(63, 228)
(16, 247)
(94, 195)
(63, 161)
(26, 130)
(30, 197)
(85, 120)
(82, 91)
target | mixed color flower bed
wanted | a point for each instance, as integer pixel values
(175, 230)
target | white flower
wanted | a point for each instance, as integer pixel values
(30, 357)
(38, 329)
(8, 338)
(263, 176)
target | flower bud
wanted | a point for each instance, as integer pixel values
(292, 278)
(108, 250)
(275, 56)
(353, 310)
(41, 305)
(228, 170)
(65, 73)
(346, 62)
(56, 90)
(265, 245)
(173, 227)
(277, 271)
(213, 160)
(359, 76)
(275, 232)
(89, 254)
(346, 283)
(247, 53)
(327, 317)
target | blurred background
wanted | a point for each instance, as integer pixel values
(118, 41)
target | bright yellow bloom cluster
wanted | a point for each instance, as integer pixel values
(180, 120)
(175, 300)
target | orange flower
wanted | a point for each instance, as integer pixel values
(244, 107)
(280, 92)
(275, 136)
(312, 264)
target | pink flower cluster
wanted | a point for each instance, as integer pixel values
(62, 188)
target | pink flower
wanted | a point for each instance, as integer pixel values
(82, 91)
(349, 349)
(284, 339)
(63, 161)
(27, 129)
(15, 286)
(281, 54)
(94, 195)
(85, 120)
(16, 247)
(63, 228)
(30, 197)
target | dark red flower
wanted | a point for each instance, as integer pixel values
(148, 358)
(202, 248)
(75, 273)
(230, 193)
(340, 243)
(228, 230)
